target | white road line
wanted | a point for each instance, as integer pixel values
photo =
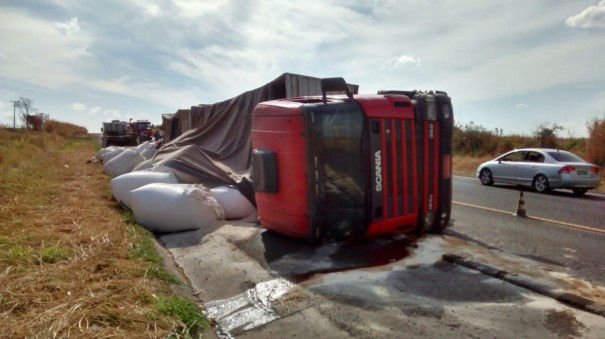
(560, 223)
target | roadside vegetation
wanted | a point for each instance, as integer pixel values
(473, 144)
(73, 263)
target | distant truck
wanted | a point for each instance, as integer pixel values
(341, 166)
(122, 133)
(142, 129)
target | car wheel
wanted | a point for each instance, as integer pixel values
(541, 184)
(486, 177)
(579, 191)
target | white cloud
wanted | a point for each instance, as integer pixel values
(94, 110)
(112, 114)
(149, 92)
(590, 17)
(521, 106)
(255, 42)
(70, 27)
(78, 106)
(525, 70)
(401, 62)
(38, 53)
(196, 8)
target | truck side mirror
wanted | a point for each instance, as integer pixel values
(264, 171)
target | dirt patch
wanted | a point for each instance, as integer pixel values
(564, 324)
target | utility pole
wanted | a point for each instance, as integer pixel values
(14, 110)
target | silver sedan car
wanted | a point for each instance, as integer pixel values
(541, 168)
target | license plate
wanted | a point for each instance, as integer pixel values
(582, 172)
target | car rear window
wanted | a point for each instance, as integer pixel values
(565, 157)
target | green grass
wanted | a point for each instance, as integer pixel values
(53, 254)
(72, 145)
(194, 323)
(144, 249)
(17, 254)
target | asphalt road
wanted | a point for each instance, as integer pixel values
(562, 229)
(254, 283)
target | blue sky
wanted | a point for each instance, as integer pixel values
(506, 64)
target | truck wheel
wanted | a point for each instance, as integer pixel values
(438, 229)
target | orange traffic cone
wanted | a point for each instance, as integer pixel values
(521, 206)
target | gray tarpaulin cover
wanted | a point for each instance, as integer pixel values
(216, 141)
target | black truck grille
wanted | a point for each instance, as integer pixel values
(395, 170)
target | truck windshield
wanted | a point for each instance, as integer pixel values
(338, 133)
(143, 125)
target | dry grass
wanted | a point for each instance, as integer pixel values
(466, 165)
(596, 145)
(72, 264)
(65, 129)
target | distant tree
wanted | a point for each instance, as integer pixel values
(30, 119)
(547, 135)
(26, 108)
(472, 138)
(34, 121)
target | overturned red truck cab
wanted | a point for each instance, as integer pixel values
(341, 166)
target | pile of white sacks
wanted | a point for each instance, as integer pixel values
(160, 201)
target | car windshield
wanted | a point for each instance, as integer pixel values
(562, 156)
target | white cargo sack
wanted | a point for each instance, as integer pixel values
(169, 208)
(183, 177)
(144, 165)
(147, 149)
(142, 146)
(148, 152)
(123, 184)
(108, 153)
(123, 163)
(235, 205)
